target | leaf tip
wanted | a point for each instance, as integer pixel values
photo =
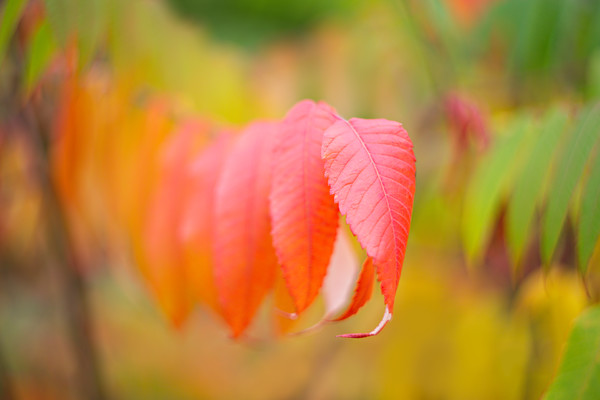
(387, 316)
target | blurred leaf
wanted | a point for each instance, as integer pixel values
(10, 17)
(579, 373)
(589, 218)
(593, 82)
(251, 23)
(528, 188)
(569, 170)
(80, 21)
(39, 54)
(486, 188)
(446, 27)
(62, 15)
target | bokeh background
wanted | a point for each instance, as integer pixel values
(498, 266)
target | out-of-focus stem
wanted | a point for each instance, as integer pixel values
(6, 392)
(68, 267)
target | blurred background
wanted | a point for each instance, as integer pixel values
(498, 97)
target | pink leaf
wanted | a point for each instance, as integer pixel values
(245, 261)
(370, 166)
(303, 213)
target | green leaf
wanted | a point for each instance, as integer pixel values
(39, 54)
(589, 219)
(486, 188)
(83, 21)
(593, 79)
(570, 168)
(62, 16)
(528, 189)
(10, 17)
(579, 372)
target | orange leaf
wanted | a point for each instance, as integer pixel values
(197, 225)
(303, 213)
(245, 261)
(370, 166)
(162, 254)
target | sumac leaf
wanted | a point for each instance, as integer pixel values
(589, 219)
(162, 255)
(245, 261)
(370, 167)
(303, 213)
(197, 225)
(569, 171)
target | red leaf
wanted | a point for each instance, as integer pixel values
(370, 166)
(363, 291)
(245, 261)
(303, 212)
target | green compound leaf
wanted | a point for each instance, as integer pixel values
(569, 171)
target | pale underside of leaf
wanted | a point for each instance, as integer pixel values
(363, 292)
(339, 282)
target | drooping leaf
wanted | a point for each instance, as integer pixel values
(370, 167)
(486, 189)
(11, 13)
(589, 218)
(303, 213)
(579, 373)
(569, 170)
(245, 261)
(363, 291)
(528, 187)
(39, 54)
(162, 256)
(197, 224)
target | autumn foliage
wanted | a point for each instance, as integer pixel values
(222, 218)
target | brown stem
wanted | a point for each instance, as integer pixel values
(6, 392)
(68, 268)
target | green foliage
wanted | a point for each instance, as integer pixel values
(528, 191)
(579, 373)
(487, 188)
(80, 22)
(10, 17)
(568, 173)
(252, 22)
(546, 179)
(39, 54)
(589, 227)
